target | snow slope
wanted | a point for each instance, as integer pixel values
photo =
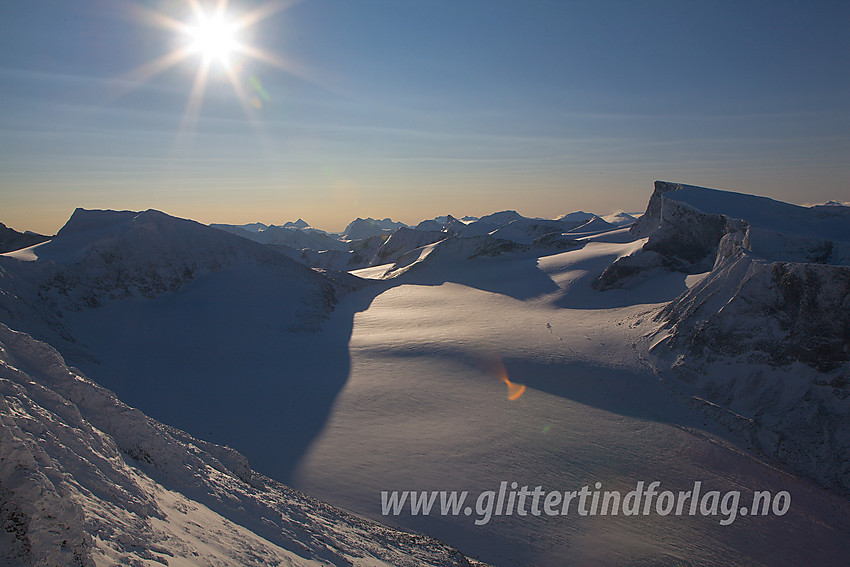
(425, 408)
(87, 480)
(176, 316)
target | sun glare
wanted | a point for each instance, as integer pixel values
(214, 38)
(213, 35)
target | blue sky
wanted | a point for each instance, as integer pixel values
(414, 108)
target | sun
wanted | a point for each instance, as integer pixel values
(213, 34)
(214, 38)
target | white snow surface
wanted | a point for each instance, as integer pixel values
(424, 409)
(87, 480)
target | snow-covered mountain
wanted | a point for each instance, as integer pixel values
(173, 315)
(448, 224)
(86, 480)
(11, 239)
(619, 219)
(578, 217)
(102, 256)
(359, 229)
(295, 235)
(772, 304)
(370, 242)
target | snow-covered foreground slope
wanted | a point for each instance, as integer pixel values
(426, 408)
(86, 480)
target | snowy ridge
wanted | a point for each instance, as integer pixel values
(578, 217)
(773, 305)
(401, 241)
(619, 219)
(296, 235)
(451, 250)
(11, 240)
(593, 226)
(369, 242)
(104, 256)
(526, 231)
(87, 480)
(685, 224)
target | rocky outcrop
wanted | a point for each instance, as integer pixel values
(679, 238)
(765, 335)
(684, 226)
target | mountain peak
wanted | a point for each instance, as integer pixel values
(300, 223)
(83, 220)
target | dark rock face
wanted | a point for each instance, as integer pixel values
(688, 238)
(680, 238)
(770, 341)
(813, 307)
(650, 221)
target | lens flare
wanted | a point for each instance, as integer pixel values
(497, 368)
(514, 390)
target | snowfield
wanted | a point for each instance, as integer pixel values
(87, 480)
(707, 341)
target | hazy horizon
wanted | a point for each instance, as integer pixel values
(333, 110)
